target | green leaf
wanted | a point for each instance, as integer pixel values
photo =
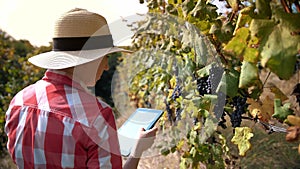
(204, 71)
(229, 83)
(261, 28)
(209, 128)
(263, 8)
(279, 53)
(281, 112)
(212, 98)
(249, 74)
(241, 138)
(201, 50)
(279, 42)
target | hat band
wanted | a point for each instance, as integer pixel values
(82, 43)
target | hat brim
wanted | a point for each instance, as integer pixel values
(67, 59)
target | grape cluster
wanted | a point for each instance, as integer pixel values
(219, 109)
(204, 85)
(178, 114)
(209, 84)
(169, 111)
(177, 92)
(239, 108)
(195, 120)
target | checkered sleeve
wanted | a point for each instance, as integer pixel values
(103, 149)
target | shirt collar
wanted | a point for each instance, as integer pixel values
(60, 77)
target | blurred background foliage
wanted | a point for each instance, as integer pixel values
(15, 74)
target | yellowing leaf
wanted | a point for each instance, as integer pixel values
(237, 45)
(241, 138)
(173, 82)
(256, 113)
(294, 120)
(180, 144)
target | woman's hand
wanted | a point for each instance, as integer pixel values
(145, 141)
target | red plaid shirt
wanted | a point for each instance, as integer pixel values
(56, 123)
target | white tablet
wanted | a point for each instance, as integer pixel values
(128, 132)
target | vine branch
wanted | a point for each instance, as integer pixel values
(286, 7)
(266, 79)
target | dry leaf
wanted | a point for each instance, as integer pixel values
(292, 133)
(268, 105)
(263, 111)
(278, 93)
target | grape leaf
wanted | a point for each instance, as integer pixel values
(268, 106)
(241, 138)
(204, 71)
(249, 74)
(173, 82)
(281, 112)
(294, 120)
(244, 17)
(293, 133)
(209, 128)
(229, 83)
(251, 55)
(263, 8)
(278, 41)
(236, 46)
(257, 110)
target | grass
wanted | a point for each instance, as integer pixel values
(268, 151)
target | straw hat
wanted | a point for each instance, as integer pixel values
(79, 37)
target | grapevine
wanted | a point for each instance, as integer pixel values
(214, 67)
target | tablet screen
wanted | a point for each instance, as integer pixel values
(128, 132)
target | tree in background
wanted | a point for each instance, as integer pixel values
(15, 73)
